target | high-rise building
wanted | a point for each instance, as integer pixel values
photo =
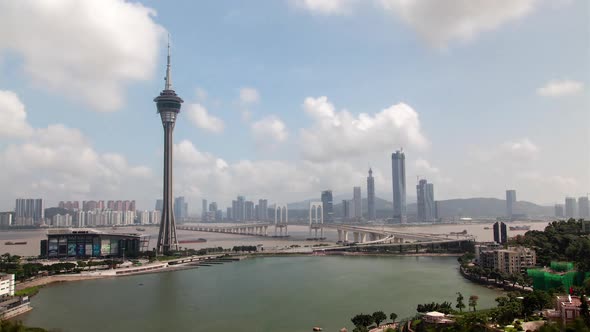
(69, 205)
(583, 207)
(358, 205)
(29, 211)
(570, 207)
(510, 201)
(213, 207)
(248, 210)
(398, 172)
(437, 210)
(228, 213)
(204, 210)
(328, 206)
(262, 209)
(180, 207)
(559, 210)
(240, 210)
(6, 218)
(159, 204)
(168, 104)
(348, 209)
(425, 201)
(371, 212)
(500, 232)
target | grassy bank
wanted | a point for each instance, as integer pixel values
(29, 291)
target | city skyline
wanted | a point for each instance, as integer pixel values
(82, 130)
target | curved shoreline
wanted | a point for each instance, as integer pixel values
(493, 283)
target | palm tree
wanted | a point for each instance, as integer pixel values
(460, 304)
(473, 301)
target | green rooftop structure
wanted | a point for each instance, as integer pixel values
(560, 274)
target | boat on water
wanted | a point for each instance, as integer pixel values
(486, 227)
(317, 329)
(140, 229)
(10, 243)
(520, 228)
(459, 233)
(199, 240)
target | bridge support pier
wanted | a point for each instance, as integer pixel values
(356, 236)
(339, 235)
(345, 236)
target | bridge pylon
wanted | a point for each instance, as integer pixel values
(281, 220)
(316, 219)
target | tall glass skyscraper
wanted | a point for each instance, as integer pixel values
(372, 215)
(328, 206)
(510, 201)
(358, 205)
(398, 176)
(425, 204)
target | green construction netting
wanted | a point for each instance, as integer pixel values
(562, 266)
(543, 280)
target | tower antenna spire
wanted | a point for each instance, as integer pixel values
(168, 85)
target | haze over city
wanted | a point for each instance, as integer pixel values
(289, 98)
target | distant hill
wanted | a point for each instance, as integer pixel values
(53, 211)
(485, 207)
(464, 207)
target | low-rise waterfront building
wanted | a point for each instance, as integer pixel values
(91, 243)
(511, 261)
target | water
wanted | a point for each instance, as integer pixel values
(290, 294)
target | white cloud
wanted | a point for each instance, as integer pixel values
(53, 166)
(523, 148)
(424, 166)
(336, 134)
(325, 7)
(514, 152)
(201, 94)
(13, 118)
(560, 88)
(269, 131)
(202, 175)
(199, 116)
(249, 96)
(425, 170)
(440, 22)
(86, 50)
(58, 162)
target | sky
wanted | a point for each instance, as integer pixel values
(286, 98)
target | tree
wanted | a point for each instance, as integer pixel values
(584, 311)
(378, 317)
(460, 304)
(362, 320)
(393, 317)
(535, 300)
(473, 301)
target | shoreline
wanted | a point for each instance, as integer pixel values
(491, 283)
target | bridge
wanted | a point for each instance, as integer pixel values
(360, 235)
(375, 237)
(257, 229)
